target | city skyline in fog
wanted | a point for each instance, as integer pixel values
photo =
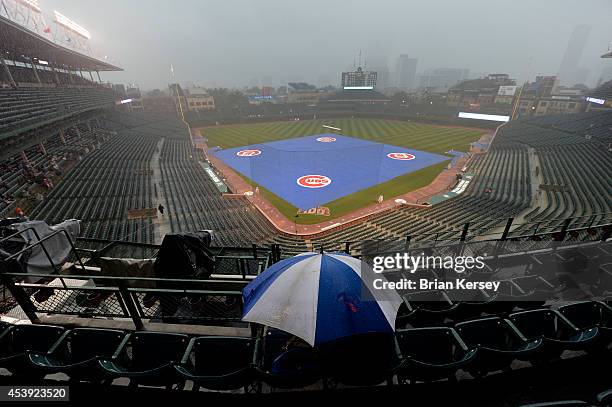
(245, 43)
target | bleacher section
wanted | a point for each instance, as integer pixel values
(502, 187)
(569, 149)
(25, 77)
(102, 187)
(24, 107)
(25, 182)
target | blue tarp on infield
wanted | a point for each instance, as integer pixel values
(350, 165)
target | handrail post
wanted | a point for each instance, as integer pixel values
(22, 298)
(465, 231)
(564, 228)
(128, 300)
(606, 234)
(507, 229)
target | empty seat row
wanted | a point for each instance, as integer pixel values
(221, 363)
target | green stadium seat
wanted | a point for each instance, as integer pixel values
(558, 333)
(498, 342)
(361, 360)
(76, 353)
(432, 354)
(589, 314)
(287, 363)
(218, 363)
(18, 340)
(147, 358)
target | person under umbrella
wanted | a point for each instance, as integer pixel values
(321, 297)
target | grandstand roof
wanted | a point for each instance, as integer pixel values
(19, 41)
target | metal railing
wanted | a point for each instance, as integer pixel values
(212, 301)
(218, 300)
(590, 227)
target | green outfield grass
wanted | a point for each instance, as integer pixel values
(435, 139)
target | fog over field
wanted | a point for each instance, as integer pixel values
(246, 42)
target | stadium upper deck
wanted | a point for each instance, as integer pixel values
(43, 88)
(21, 44)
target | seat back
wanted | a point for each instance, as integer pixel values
(429, 345)
(361, 353)
(87, 343)
(150, 350)
(214, 356)
(36, 338)
(434, 300)
(488, 332)
(537, 323)
(587, 314)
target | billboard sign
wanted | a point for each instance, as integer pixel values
(479, 116)
(506, 90)
(595, 100)
(358, 87)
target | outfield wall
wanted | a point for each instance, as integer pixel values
(307, 113)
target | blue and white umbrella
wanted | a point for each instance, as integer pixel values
(319, 298)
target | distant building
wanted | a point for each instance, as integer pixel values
(194, 99)
(545, 96)
(530, 106)
(133, 93)
(359, 79)
(570, 71)
(383, 77)
(405, 72)
(559, 105)
(441, 79)
(495, 92)
(543, 86)
(301, 92)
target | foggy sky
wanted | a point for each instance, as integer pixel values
(231, 42)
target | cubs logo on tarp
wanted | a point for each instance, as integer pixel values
(313, 181)
(401, 156)
(248, 153)
(326, 139)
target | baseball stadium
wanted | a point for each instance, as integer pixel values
(442, 242)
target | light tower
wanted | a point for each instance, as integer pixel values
(70, 34)
(26, 13)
